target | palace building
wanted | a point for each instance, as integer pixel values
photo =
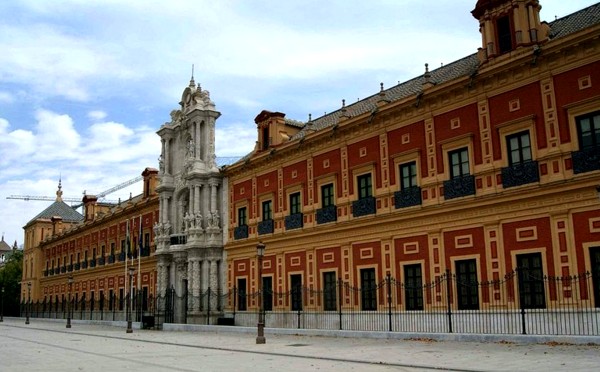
(90, 253)
(469, 171)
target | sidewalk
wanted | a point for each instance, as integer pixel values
(45, 345)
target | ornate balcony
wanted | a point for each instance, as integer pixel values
(364, 206)
(111, 259)
(84, 265)
(51, 271)
(408, 197)
(459, 186)
(520, 174)
(586, 161)
(121, 256)
(46, 272)
(240, 232)
(266, 227)
(294, 221)
(178, 239)
(327, 214)
(70, 267)
(101, 261)
(63, 269)
(76, 266)
(145, 251)
(92, 262)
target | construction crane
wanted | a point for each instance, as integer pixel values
(78, 200)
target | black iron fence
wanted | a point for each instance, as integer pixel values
(518, 303)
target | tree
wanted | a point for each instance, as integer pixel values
(10, 279)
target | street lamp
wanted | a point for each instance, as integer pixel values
(28, 302)
(129, 329)
(2, 307)
(70, 281)
(260, 252)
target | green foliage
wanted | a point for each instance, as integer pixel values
(10, 281)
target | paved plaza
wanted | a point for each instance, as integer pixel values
(48, 346)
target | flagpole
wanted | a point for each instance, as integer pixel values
(139, 255)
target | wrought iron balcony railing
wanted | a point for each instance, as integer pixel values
(586, 160)
(294, 221)
(266, 227)
(407, 197)
(459, 186)
(327, 214)
(520, 174)
(240, 232)
(364, 206)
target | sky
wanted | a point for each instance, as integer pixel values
(85, 85)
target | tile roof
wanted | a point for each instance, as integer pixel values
(59, 208)
(463, 67)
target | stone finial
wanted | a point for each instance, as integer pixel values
(59, 191)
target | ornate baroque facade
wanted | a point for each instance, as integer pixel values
(478, 167)
(189, 233)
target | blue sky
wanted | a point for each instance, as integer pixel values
(84, 85)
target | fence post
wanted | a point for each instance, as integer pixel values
(208, 307)
(341, 301)
(448, 300)
(521, 301)
(389, 300)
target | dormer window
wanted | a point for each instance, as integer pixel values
(265, 138)
(504, 35)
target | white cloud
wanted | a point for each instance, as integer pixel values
(97, 115)
(236, 139)
(56, 136)
(6, 97)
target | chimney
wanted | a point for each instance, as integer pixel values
(89, 207)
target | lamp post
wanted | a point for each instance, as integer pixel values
(129, 329)
(260, 252)
(70, 281)
(28, 302)
(2, 307)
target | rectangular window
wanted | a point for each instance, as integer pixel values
(413, 287)
(459, 163)
(146, 240)
(241, 294)
(242, 217)
(531, 281)
(295, 203)
(268, 293)
(329, 291)
(467, 287)
(368, 290)
(595, 261)
(296, 287)
(327, 199)
(123, 245)
(267, 210)
(408, 175)
(519, 148)
(365, 187)
(588, 131)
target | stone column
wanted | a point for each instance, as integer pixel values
(167, 158)
(213, 197)
(197, 198)
(214, 283)
(190, 284)
(196, 287)
(204, 279)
